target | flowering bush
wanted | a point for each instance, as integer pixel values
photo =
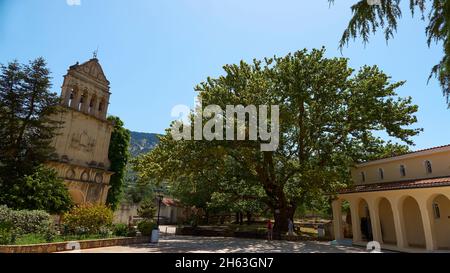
(88, 219)
(26, 221)
(14, 223)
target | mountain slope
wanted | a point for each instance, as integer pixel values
(141, 143)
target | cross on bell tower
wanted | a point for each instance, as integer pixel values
(94, 54)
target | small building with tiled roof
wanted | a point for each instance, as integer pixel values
(402, 202)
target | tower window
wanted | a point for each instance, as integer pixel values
(402, 170)
(80, 104)
(71, 98)
(381, 173)
(91, 106)
(428, 167)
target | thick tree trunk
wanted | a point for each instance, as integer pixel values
(249, 218)
(281, 216)
(291, 212)
(275, 191)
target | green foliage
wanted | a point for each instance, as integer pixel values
(33, 238)
(146, 227)
(42, 190)
(328, 115)
(26, 221)
(147, 210)
(118, 155)
(27, 127)
(15, 223)
(132, 231)
(136, 191)
(88, 219)
(121, 230)
(368, 19)
(7, 235)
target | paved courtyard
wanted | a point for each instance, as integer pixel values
(191, 244)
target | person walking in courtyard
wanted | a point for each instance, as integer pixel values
(290, 227)
(269, 230)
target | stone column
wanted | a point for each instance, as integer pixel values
(337, 218)
(86, 101)
(398, 222)
(375, 220)
(428, 223)
(356, 225)
(100, 113)
(105, 189)
(66, 95)
(76, 99)
(94, 105)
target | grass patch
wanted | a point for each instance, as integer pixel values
(33, 239)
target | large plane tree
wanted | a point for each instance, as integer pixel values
(329, 114)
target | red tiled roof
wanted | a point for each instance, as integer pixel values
(399, 185)
(412, 152)
(171, 202)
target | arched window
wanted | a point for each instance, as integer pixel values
(363, 177)
(71, 98)
(92, 103)
(85, 176)
(100, 106)
(436, 210)
(70, 174)
(381, 173)
(81, 103)
(99, 178)
(402, 170)
(428, 167)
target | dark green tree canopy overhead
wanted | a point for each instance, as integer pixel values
(368, 19)
(329, 114)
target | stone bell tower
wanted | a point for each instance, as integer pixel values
(82, 144)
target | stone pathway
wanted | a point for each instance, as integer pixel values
(193, 244)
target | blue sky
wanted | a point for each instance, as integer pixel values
(155, 51)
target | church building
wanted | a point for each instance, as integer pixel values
(401, 202)
(82, 144)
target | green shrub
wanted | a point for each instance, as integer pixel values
(146, 227)
(147, 210)
(120, 230)
(7, 235)
(132, 231)
(34, 221)
(27, 221)
(88, 219)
